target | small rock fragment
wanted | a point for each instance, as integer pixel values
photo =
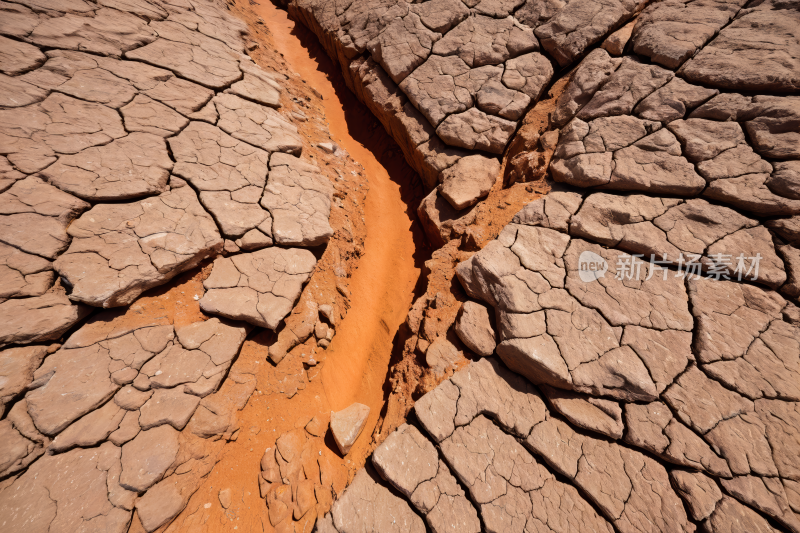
(469, 180)
(317, 427)
(346, 425)
(441, 355)
(225, 497)
(615, 43)
(475, 329)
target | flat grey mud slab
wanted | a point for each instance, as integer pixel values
(369, 506)
(38, 319)
(35, 217)
(758, 51)
(260, 287)
(299, 199)
(230, 175)
(120, 250)
(670, 32)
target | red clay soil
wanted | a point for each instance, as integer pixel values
(378, 292)
(382, 287)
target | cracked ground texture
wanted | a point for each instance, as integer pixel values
(138, 141)
(471, 68)
(663, 402)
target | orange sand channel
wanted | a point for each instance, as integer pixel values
(381, 292)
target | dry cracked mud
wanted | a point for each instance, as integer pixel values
(389, 265)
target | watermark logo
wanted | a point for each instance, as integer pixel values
(591, 267)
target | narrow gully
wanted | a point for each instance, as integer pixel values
(382, 287)
(381, 293)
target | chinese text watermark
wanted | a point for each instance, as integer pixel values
(592, 266)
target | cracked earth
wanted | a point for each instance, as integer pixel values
(389, 265)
